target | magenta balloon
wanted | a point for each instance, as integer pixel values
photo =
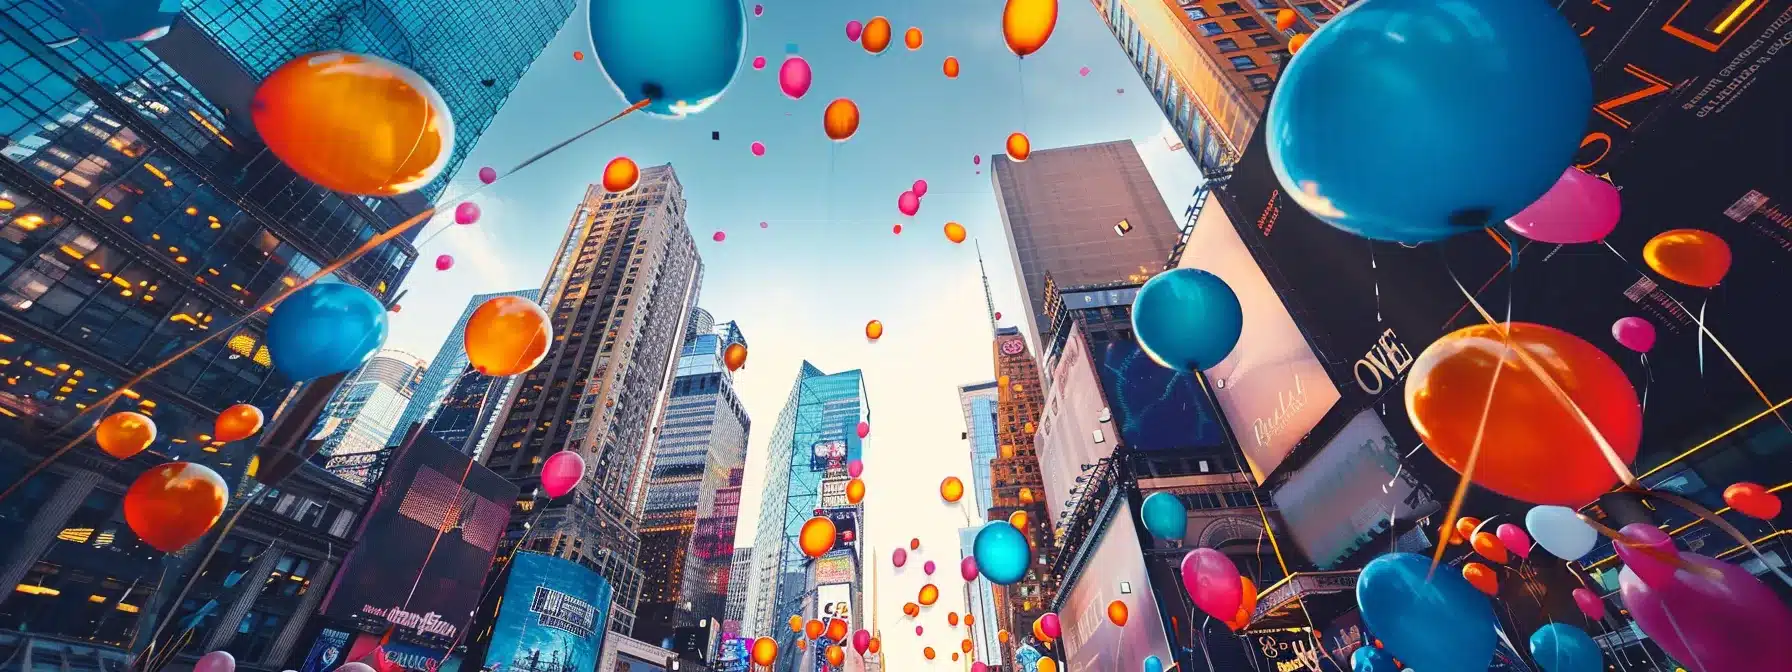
(853, 28)
(794, 77)
(1052, 626)
(561, 472)
(855, 467)
(979, 667)
(1647, 566)
(1734, 622)
(1635, 333)
(444, 262)
(1589, 603)
(864, 429)
(861, 641)
(1084, 72)
(1515, 539)
(908, 203)
(900, 557)
(758, 62)
(1212, 581)
(488, 175)
(920, 188)
(763, 225)
(758, 148)
(758, 10)
(719, 237)
(976, 159)
(967, 568)
(1580, 208)
(466, 213)
(927, 568)
(918, 631)
(216, 661)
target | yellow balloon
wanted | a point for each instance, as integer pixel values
(951, 489)
(874, 330)
(1019, 520)
(124, 434)
(765, 651)
(1048, 665)
(929, 595)
(796, 624)
(1026, 495)
(1027, 24)
(955, 232)
(855, 491)
(507, 335)
(1019, 147)
(817, 536)
(621, 174)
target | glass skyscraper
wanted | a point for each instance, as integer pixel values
(980, 600)
(361, 419)
(445, 368)
(979, 402)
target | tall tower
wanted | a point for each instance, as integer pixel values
(359, 421)
(1016, 482)
(618, 294)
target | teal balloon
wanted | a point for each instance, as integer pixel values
(329, 327)
(1559, 647)
(1165, 516)
(1365, 118)
(1002, 553)
(1438, 625)
(679, 54)
(1187, 319)
(119, 20)
(1152, 664)
(1371, 659)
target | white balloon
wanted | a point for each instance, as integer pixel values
(1559, 530)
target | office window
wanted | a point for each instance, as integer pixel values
(1226, 45)
(1260, 82)
(1231, 8)
(1315, 10)
(1267, 4)
(1247, 23)
(1196, 13)
(1263, 39)
(1211, 28)
(1243, 63)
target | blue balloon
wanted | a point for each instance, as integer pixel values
(1565, 648)
(1416, 120)
(1165, 516)
(1371, 659)
(1002, 553)
(1443, 625)
(680, 54)
(120, 20)
(1187, 319)
(329, 327)
(1152, 664)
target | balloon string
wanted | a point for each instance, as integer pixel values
(1474, 455)
(1711, 517)
(1651, 551)
(1706, 301)
(370, 245)
(528, 531)
(1648, 378)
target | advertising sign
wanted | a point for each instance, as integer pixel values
(833, 568)
(1352, 490)
(824, 455)
(833, 493)
(1071, 433)
(735, 655)
(1154, 408)
(1116, 571)
(399, 656)
(834, 601)
(1295, 652)
(1272, 387)
(426, 543)
(328, 651)
(552, 618)
(846, 525)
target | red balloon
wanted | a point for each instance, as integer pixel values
(1752, 500)
(175, 504)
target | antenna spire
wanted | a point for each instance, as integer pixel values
(988, 299)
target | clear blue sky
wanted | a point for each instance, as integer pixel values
(804, 287)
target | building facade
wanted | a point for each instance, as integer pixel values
(979, 403)
(740, 571)
(445, 368)
(362, 418)
(980, 601)
(619, 295)
(1016, 469)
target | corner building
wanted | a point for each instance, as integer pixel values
(618, 295)
(1016, 468)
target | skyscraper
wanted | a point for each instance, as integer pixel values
(1079, 216)
(1016, 469)
(446, 367)
(980, 601)
(618, 296)
(815, 437)
(740, 571)
(697, 456)
(360, 420)
(979, 402)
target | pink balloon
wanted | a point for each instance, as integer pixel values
(1515, 539)
(967, 568)
(763, 225)
(444, 262)
(1053, 627)
(920, 188)
(927, 568)
(1212, 581)
(758, 10)
(908, 203)
(216, 661)
(794, 77)
(1589, 603)
(864, 429)
(1646, 565)
(719, 237)
(466, 213)
(1580, 208)
(853, 28)
(758, 148)
(1635, 333)
(861, 641)
(918, 631)
(976, 159)
(758, 62)
(979, 667)
(488, 175)
(900, 557)
(1734, 622)
(1084, 72)
(561, 472)
(855, 468)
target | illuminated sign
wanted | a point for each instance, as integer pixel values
(1352, 490)
(552, 609)
(834, 568)
(834, 601)
(833, 492)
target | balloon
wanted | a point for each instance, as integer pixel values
(965, 645)
(876, 36)
(1418, 101)
(976, 159)
(758, 148)
(1689, 257)
(899, 557)
(119, 20)
(802, 645)
(856, 468)
(967, 568)
(1559, 530)
(329, 327)
(908, 203)
(125, 433)
(758, 10)
(719, 236)
(864, 428)
(1002, 636)
(841, 119)
(1635, 333)
(735, 356)
(680, 56)
(813, 629)
(913, 544)
(561, 472)
(817, 536)
(216, 661)
(951, 67)
(876, 644)
(389, 131)
(1084, 72)
(836, 656)
(1212, 581)
(1285, 19)
(1027, 24)
(762, 225)
(1165, 516)
(1515, 540)
(861, 641)
(507, 335)
(1018, 519)
(1002, 553)
(969, 620)
(928, 568)
(1466, 526)
(1482, 578)
(796, 623)
(1732, 622)
(1440, 625)
(1589, 603)
(951, 489)
(1247, 604)
(621, 174)
(928, 651)
(466, 213)
(836, 629)
(1565, 648)
(794, 77)
(174, 504)
(955, 232)
(578, 55)
(1026, 495)
(1489, 546)
(758, 62)
(765, 651)
(1153, 664)
(911, 38)
(897, 229)
(929, 594)
(236, 423)
(1534, 447)
(1187, 319)
(1051, 625)
(979, 666)
(488, 175)
(444, 262)
(1371, 659)
(1752, 500)
(853, 30)
(1019, 148)
(1580, 208)
(855, 492)
(1652, 568)
(1117, 613)
(920, 188)
(1047, 665)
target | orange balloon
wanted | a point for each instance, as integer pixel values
(124, 434)
(1490, 547)
(1027, 24)
(802, 645)
(813, 629)
(765, 651)
(855, 491)
(354, 123)
(621, 174)
(951, 67)
(1481, 577)
(174, 504)
(1465, 526)
(578, 55)
(1019, 148)
(970, 620)
(836, 629)
(1039, 631)
(965, 646)
(914, 544)
(912, 38)
(841, 119)
(1002, 636)
(876, 645)
(507, 335)
(911, 609)
(817, 536)
(951, 489)
(951, 618)
(836, 656)
(927, 652)
(955, 232)
(875, 37)
(796, 624)
(1047, 665)
(1246, 605)
(1026, 495)
(1117, 613)
(929, 595)
(1689, 257)
(1752, 500)
(237, 423)
(735, 356)
(1535, 448)
(954, 657)
(874, 330)
(1018, 519)
(1284, 19)
(1296, 42)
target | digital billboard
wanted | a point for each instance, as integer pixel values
(834, 601)
(834, 567)
(735, 655)
(833, 493)
(846, 525)
(1153, 407)
(1116, 571)
(328, 651)
(334, 647)
(826, 455)
(1272, 388)
(1071, 433)
(426, 543)
(552, 617)
(1352, 490)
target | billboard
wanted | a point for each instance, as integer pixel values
(834, 601)
(328, 651)
(1272, 388)
(735, 655)
(334, 647)
(430, 533)
(1352, 490)
(826, 455)
(833, 493)
(1154, 408)
(551, 617)
(833, 568)
(1071, 433)
(1116, 571)
(846, 525)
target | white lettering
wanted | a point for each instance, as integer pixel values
(1385, 362)
(427, 624)
(1289, 403)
